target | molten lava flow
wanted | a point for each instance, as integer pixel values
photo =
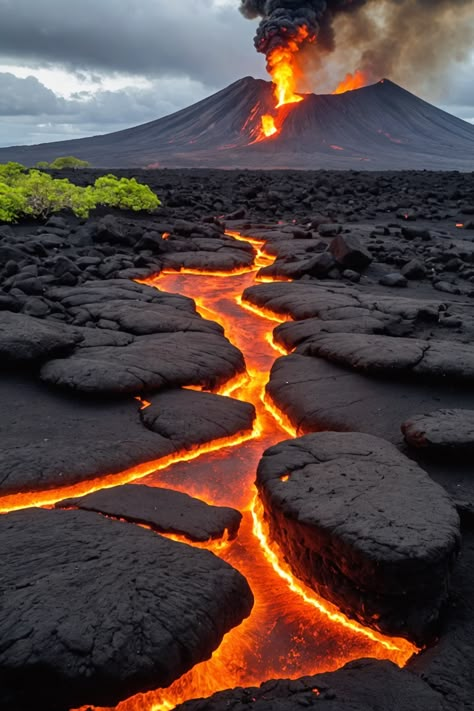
(268, 126)
(291, 632)
(351, 82)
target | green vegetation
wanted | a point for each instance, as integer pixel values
(68, 162)
(33, 193)
(62, 163)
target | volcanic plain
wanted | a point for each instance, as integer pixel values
(236, 447)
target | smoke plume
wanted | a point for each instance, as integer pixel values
(411, 41)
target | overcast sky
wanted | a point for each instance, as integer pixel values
(71, 69)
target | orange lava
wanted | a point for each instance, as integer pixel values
(15, 502)
(268, 126)
(283, 68)
(352, 81)
(291, 632)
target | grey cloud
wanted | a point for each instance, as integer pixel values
(26, 96)
(169, 39)
(31, 113)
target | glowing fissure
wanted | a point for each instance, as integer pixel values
(291, 632)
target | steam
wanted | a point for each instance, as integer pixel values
(411, 41)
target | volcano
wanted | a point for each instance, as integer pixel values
(378, 127)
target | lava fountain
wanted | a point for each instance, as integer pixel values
(291, 631)
(283, 69)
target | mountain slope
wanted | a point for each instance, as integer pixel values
(379, 127)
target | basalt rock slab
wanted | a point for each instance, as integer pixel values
(364, 685)
(50, 439)
(100, 610)
(447, 667)
(335, 301)
(442, 430)
(25, 339)
(95, 291)
(187, 417)
(318, 395)
(349, 252)
(385, 355)
(149, 363)
(144, 318)
(226, 260)
(164, 510)
(295, 267)
(364, 526)
(292, 334)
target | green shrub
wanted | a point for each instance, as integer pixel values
(126, 194)
(11, 173)
(42, 165)
(68, 162)
(12, 203)
(37, 194)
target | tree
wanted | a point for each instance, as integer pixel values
(42, 165)
(68, 162)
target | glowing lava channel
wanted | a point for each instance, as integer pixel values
(291, 632)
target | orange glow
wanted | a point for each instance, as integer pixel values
(15, 502)
(403, 649)
(276, 346)
(291, 632)
(283, 69)
(268, 125)
(460, 225)
(144, 403)
(352, 81)
(166, 235)
(279, 417)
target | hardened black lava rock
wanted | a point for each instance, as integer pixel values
(99, 610)
(364, 526)
(364, 685)
(164, 510)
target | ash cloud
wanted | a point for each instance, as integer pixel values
(282, 20)
(414, 42)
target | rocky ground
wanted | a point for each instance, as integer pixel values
(375, 273)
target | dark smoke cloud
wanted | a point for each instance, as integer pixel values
(282, 20)
(411, 41)
(416, 42)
